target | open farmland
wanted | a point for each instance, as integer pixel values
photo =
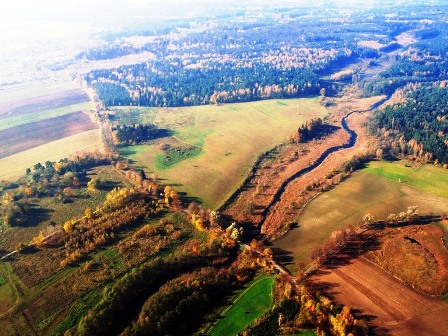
(362, 193)
(390, 306)
(34, 89)
(41, 115)
(42, 103)
(43, 121)
(231, 138)
(14, 166)
(20, 138)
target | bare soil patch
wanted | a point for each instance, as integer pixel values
(388, 305)
(42, 103)
(20, 138)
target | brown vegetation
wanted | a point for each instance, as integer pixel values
(283, 162)
(416, 255)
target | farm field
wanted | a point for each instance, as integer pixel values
(20, 138)
(14, 166)
(249, 305)
(427, 178)
(43, 121)
(42, 103)
(231, 138)
(42, 115)
(391, 307)
(34, 89)
(364, 192)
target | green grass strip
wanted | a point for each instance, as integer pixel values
(248, 305)
(42, 115)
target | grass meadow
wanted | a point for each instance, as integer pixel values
(366, 191)
(231, 137)
(248, 305)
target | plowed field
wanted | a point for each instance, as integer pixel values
(389, 306)
(17, 139)
(42, 103)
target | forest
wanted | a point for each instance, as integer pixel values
(417, 127)
(198, 64)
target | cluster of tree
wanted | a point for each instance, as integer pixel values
(94, 230)
(421, 62)
(51, 179)
(417, 127)
(226, 83)
(203, 219)
(307, 131)
(358, 161)
(294, 312)
(152, 238)
(337, 240)
(135, 134)
(404, 216)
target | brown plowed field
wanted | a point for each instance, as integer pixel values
(17, 139)
(42, 103)
(389, 306)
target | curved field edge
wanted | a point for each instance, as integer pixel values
(248, 305)
(364, 192)
(14, 166)
(232, 136)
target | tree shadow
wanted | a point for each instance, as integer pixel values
(283, 257)
(36, 215)
(352, 250)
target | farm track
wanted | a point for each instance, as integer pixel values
(20, 138)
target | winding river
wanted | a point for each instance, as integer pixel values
(351, 142)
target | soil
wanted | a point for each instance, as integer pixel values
(389, 306)
(42, 103)
(20, 138)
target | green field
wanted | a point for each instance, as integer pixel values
(366, 191)
(248, 305)
(37, 116)
(14, 166)
(427, 178)
(231, 138)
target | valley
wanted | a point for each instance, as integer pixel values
(264, 169)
